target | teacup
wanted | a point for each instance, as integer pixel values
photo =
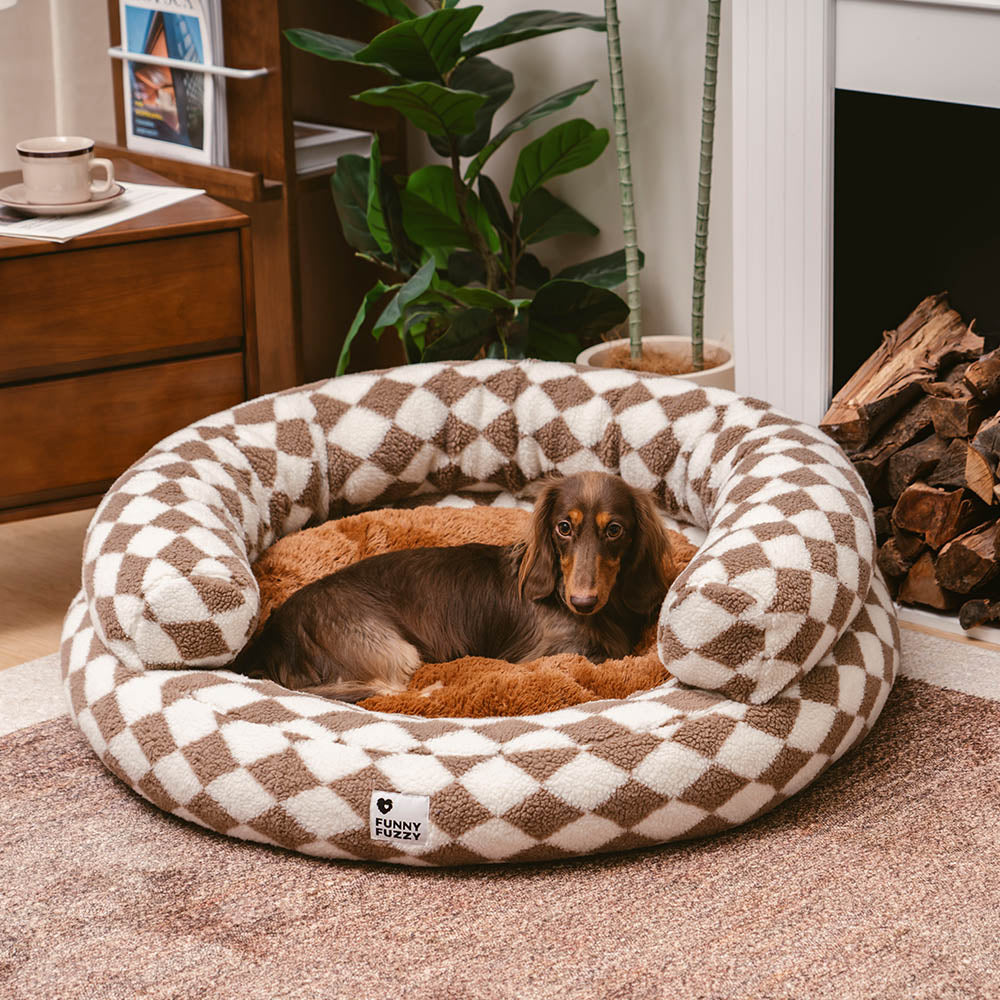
(57, 170)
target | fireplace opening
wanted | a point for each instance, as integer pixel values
(917, 215)
(916, 211)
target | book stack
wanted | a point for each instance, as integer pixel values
(173, 112)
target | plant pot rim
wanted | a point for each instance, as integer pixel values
(590, 354)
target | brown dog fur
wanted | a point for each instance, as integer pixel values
(469, 686)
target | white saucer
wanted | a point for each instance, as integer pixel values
(14, 196)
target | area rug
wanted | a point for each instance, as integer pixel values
(880, 880)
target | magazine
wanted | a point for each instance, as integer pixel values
(173, 112)
(317, 147)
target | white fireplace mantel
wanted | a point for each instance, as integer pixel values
(788, 58)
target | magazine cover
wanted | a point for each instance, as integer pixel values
(169, 111)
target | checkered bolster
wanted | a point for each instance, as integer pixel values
(784, 570)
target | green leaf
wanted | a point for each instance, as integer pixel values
(431, 107)
(349, 184)
(554, 103)
(495, 84)
(406, 255)
(527, 24)
(413, 289)
(431, 217)
(394, 8)
(376, 218)
(495, 208)
(420, 318)
(531, 272)
(552, 345)
(481, 298)
(574, 307)
(606, 272)
(424, 48)
(469, 330)
(565, 147)
(543, 216)
(371, 297)
(464, 267)
(448, 4)
(330, 47)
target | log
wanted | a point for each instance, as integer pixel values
(987, 442)
(892, 562)
(978, 612)
(883, 523)
(970, 560)
(909, 544)
(957, 414)
(936, 515)
(908, 427)
(963, 467)
(920, 348)
(921, 586)
(983, 376)
(912, 463)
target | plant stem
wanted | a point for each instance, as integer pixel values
(624, 178)
(491, 264)
(704, 186)
(516, 247)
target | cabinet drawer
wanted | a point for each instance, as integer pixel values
(73, 436)
(100, 307)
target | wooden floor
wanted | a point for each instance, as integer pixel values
(39, 575)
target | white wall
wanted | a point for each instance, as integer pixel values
(55, 76)
(663, 44)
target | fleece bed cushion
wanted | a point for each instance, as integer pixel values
(780, 634)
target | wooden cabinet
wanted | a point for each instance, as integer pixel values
(115, 340)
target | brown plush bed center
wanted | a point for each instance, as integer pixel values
(473, 686)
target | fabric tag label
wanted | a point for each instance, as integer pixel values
(398, 818)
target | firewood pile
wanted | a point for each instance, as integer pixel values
(920, 421)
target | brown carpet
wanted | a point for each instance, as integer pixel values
(881, 880)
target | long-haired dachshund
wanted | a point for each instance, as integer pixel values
(594, 567)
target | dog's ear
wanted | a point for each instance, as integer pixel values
(537, 576)
(650, 569)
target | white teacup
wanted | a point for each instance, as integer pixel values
(57, 170)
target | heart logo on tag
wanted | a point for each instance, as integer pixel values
(384, 806)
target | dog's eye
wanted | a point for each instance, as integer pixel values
(564, 528)
(613, 530)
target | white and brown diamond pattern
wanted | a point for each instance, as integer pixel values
(786, 638)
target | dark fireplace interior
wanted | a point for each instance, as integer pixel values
(916, 211)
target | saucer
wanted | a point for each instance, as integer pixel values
(14, 196)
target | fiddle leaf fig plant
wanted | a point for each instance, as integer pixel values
(463, 277)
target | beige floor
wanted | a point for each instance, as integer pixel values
(39, 574)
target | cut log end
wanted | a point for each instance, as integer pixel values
(921, 587)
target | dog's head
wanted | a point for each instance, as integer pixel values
(590, 534)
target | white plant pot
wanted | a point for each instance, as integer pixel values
(721, 376)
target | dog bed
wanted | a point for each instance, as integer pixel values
(780, 634)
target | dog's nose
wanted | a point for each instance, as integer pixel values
(584, 603)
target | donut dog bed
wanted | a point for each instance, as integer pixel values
(780, 636)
